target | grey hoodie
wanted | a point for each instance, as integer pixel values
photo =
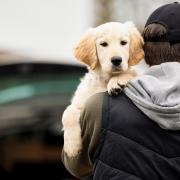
(157, 93)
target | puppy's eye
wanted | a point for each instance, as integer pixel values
(104, 44)
(123, 43)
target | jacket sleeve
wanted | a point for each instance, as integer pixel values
(90, 120)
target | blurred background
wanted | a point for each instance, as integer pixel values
(38, 75)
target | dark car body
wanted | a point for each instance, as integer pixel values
(33, 97)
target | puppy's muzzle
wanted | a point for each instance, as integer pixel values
(116, 61)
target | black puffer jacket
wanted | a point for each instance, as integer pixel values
(133, 147)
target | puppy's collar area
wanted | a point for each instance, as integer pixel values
(98, 75)
(114, 73)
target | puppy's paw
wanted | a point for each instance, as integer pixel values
(72, 131)
(115, 91)
(113, 87)
(72, 141)
(117, 83)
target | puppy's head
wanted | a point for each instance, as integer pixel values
(111, 46)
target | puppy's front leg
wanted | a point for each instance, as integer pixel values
(117, 83)
(72, 131)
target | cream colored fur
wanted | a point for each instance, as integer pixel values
(102, 75)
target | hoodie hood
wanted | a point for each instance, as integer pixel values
(157, 93)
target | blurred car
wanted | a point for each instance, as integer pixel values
(32, 98)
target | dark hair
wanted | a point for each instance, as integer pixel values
(157, 51)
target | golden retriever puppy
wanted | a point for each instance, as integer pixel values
(109, 51)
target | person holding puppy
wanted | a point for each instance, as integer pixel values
(136, 135)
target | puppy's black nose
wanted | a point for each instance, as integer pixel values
(116, 60)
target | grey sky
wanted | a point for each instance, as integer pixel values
(50, 28)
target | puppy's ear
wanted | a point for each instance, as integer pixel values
(136, 52)
(85, 50)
